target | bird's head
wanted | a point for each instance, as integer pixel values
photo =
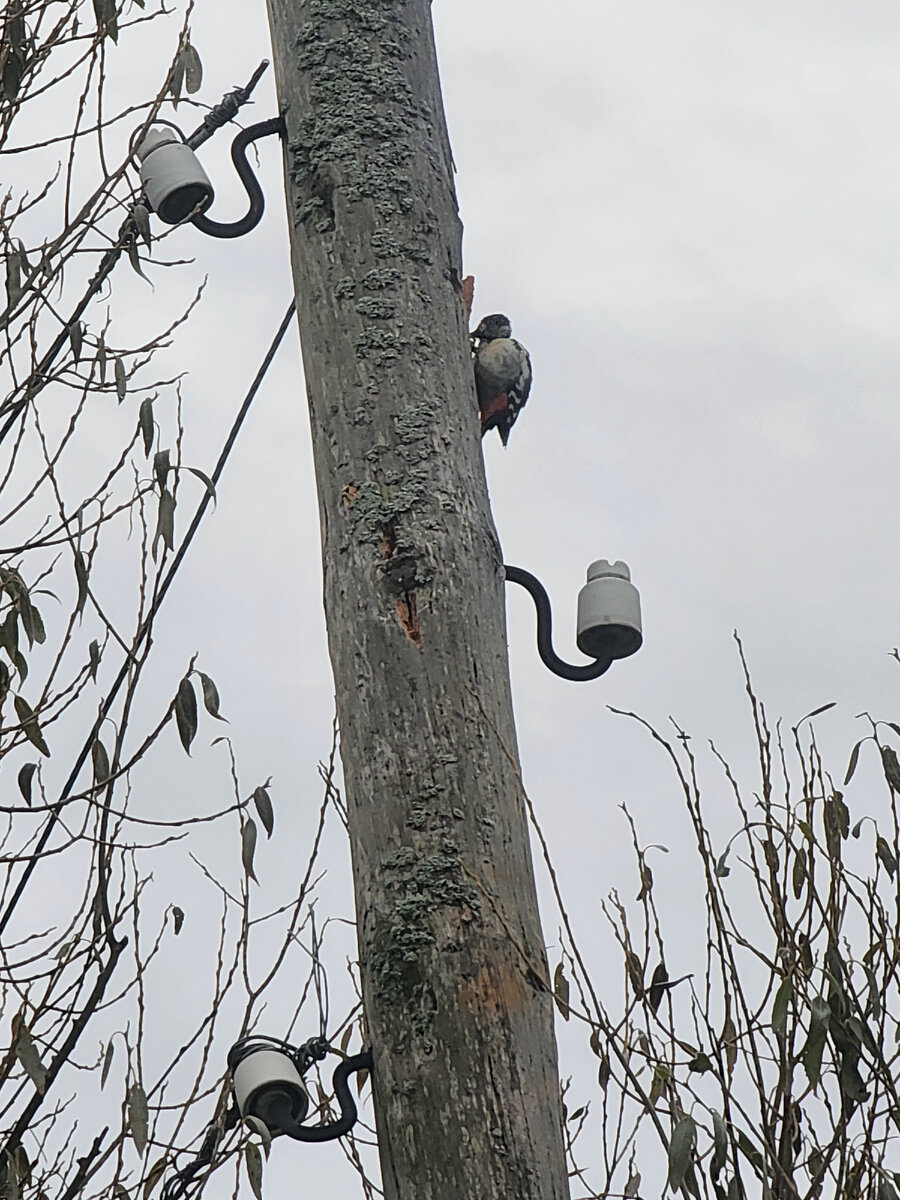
(492, 327)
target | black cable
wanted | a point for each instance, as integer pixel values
(283, 1114)
(219, 115)
(549, 657)
(177, 1185)
(257, 207)
(280, 1109)
(303, 1057)
(144, 631)
(226, 110)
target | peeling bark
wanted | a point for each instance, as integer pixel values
(454, 971)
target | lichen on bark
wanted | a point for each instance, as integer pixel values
(413, 590)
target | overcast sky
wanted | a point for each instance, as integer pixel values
(690, 214)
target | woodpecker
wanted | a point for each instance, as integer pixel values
(502, 375)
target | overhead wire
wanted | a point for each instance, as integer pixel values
(223, 112)
(147, 623)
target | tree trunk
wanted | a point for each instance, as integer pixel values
(455, 978)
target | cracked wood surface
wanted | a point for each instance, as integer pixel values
(454, 970)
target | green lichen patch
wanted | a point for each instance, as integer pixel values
(422, 886)
(426, 812)
(377, 506)
(415, 432)
(414, 423)
(364, 125)
(376, 308)
(380, 346)
(384, 346)
(380, 279)
(405, 572)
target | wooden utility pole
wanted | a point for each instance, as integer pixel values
(454, 972)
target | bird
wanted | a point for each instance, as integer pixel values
(502, 374)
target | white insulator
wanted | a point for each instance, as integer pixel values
(609, 612)
(264, 1077)
(175, 183)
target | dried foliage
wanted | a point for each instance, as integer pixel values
(766, 1065)
(112, 1072)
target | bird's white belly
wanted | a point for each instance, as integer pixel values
(499, 365)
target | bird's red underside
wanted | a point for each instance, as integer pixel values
(493, 407)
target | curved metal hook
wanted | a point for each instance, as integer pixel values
(346, 1121)
(233, 229)
(549, 657)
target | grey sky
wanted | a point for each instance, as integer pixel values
(690, 214)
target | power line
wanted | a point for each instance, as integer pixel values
(147, 624)
(223, 112)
